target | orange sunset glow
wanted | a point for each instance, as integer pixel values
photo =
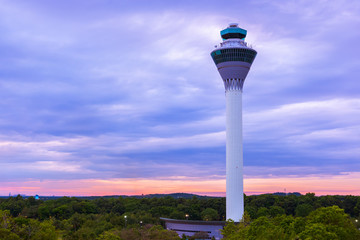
(346, 184)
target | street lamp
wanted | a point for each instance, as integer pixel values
(187, 216)
(125, 220)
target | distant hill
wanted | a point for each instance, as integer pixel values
(284, 194)
(173, 195)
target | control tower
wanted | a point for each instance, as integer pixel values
(233, 58)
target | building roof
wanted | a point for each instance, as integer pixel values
(197, 222)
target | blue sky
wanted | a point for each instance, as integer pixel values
(120, 91)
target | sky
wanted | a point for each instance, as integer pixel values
(105, 97)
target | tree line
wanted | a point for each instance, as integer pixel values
(72, 218)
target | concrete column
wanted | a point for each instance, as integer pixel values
(234, 156)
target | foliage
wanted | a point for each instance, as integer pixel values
(302, 210)
(332, 220)
(266, 217)
(209, 214)
(324, 223)
(6, 234)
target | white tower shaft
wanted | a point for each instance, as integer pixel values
(234, 156)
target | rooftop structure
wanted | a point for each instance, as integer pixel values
(190, 227)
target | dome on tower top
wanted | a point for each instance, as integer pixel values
(233, 31)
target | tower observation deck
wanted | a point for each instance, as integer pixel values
(233, 58)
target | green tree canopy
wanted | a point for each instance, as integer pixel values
(209, 214)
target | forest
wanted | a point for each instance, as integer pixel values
(266, 216)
